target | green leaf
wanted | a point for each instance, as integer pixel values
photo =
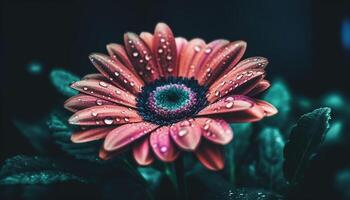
(35, 170)
(62, 80)
(304, 140)
(61, 133)
(270, 157)
(335, 132)
(242, 133)
(36, 133)
(279, 96)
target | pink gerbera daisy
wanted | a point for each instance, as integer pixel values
(161, 95)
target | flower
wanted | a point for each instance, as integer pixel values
(161, 95)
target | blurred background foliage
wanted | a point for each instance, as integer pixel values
(301, 153)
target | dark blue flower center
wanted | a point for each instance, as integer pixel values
(169, 100)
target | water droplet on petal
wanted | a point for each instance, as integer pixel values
(108, 121)
(229, 99)
(183, 132)
(116, 74)
(99, 102)
(135, 54)
(169, 57)
(170, 69)
(85, 88)
(118, 92)
(207, 50)
(229, 105)
(94, 114)
(197, 48)
(147, 57)
(103, 84)
(160, 50)
(163, 149)
(126, 119)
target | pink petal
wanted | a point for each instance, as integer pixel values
(211, 156)
(106, 155)
(268, 108)
(188, 54)
(186, 134)
(205, 54)
(147, 38)
(126, 134)
(98, 76)
(260, 87)
(225, 59)
(181, 44)
(82, 101)
(118, 52)
(164, 49)
(234, 108)
(141, 57)
(91, 134)
(106, 91)
(162, 145)
(215, 130)
(117, 73)
(239, 83)
(142, 152)
(105, 115)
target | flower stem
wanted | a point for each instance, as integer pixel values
(181, 187)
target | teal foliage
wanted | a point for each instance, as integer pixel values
(35, 170)
(62, 80)
(279, 96)
(270, 157)
(304, 140)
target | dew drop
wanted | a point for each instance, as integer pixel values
(162, 40)
(163, 149)
(197, 48)
(229, 105)
(229, 99)
(103, 84)
(99, 102)
(141, 60)
(126, 119)
(118, 92)
(169, 57)
(206, 127)
(183, 132)
(239, 76)
(160, 50)
(147, 57)
(135, 54)
(217, 93)
(108, 121)
(207, 50)
(85, 88)
(94, 114)
(170, 69)
(116, 74)
(132, 84)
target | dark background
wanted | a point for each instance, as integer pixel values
(301, 38)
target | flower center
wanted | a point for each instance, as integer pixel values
(169, 100)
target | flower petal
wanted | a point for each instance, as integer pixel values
(261, 86)
(118, 52)
(205, 53)
(188, 54)
(141, 57)
(225, 59)
(147, 38)
(142, 152)
(164, 50)
(186, 134)
(96, 76)
(125, 134)
(117, 73)
(181, 44)
(234, 108)
(90, 134)
(106, 91)
(267, 107)
(105, 115)
(82, 101)
(106, 155)
(162, 145)
(211, 156)
(215, 130)
(237, 83)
